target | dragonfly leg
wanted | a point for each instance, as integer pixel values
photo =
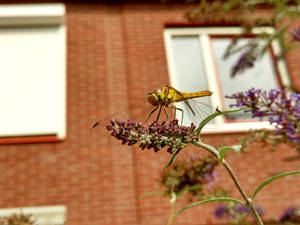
(151, 113)
(95, 124)
(218, 110)
(181, 110)
(157, 114)
(175, 109)
(166, 113)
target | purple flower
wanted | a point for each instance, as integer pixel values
(282, 109)
(208, 177)
(245, 209)
(194, 156)
(291, 214)
(297, 109)
(260, 210)
(290, 128)
(246, 60)
(155, 136)
(242, 209)
(274, 93)
(188, 176)
(221, 211)
(296, 34)
(236, 212)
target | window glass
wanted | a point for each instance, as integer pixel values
(190, 76)
(189, 63)
(262, 75)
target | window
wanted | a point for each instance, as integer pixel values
(33, 70)
(44, 215)
(195, 62)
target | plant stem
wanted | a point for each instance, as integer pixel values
(243, 193)
(171, 216)
(248, 200)
(172, 210)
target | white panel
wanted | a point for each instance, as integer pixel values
(44, 215)
(31, 14)
(32, 81)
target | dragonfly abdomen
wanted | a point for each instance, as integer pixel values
(193, 95)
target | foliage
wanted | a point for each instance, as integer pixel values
(291, 214)
(237, 213)
(268, 138)
(241, 215)
(281, 109)
(283, 113)
(278, 13)
(194, 176)
(176, 137)
(17, 219)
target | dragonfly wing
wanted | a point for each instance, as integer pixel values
(136, 112)
(190, 107)
(196, 110)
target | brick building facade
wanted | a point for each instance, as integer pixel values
(115, 54)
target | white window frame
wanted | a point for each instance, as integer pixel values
(220, 126)
(35, 16)
(43, 215)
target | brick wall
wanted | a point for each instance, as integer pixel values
(115, 55)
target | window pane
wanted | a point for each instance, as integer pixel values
(262, 75)
(32, 86)
(190, 75)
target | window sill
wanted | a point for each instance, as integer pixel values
(29, 139)
(237, 127)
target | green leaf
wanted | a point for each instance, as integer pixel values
(173, 157)
(280, 16)
(229, 5)
(218, 199)
(153, 193)
(279, 33)
(212, 116)
(225, 149)
(271, 179)
(191, 188)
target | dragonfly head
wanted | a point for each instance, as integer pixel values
(153, 98)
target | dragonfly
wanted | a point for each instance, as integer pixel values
(166, 98)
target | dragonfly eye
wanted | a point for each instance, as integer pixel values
(153, 99)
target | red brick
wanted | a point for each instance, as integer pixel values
(115, 55)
